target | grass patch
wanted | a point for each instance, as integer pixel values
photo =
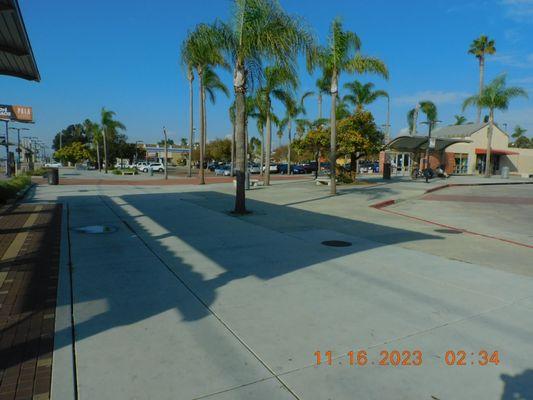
(10, 188)
(36, 172)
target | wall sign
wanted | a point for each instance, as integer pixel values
(16, 113)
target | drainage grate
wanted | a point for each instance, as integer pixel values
(96, 229)
(336, 243)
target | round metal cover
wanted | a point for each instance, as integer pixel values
(336, 243)
(96, 229)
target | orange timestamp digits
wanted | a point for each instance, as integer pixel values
(461, 358)
(360, 358)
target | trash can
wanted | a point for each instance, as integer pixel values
(386, 170)
(151, 171)
(505, 172)
(53, 176)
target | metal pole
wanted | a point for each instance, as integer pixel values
(18, 151)
(105, 149)
(8, 166)
(166, 153)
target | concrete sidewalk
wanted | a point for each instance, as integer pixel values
(185, 301)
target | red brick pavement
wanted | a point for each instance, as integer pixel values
(28, 299)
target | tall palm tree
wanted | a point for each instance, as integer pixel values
(459, 119)
(94, 132)
(190, 78)
(109, 128)
(479, 48)
(412, 119)
(495, 96)
(342, 55)
(201, 50)
(362, 95)
(212, 84)
(259, 29)
(279, 82)
(323, 85)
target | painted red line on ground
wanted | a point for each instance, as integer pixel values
(457, 229)
(479, 199)
(383, 204)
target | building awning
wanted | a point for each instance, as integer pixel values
(497, 152)
(412, 144)
(16, 55)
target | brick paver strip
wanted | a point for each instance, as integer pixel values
(29, 260)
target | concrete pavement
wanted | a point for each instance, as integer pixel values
(186, 301)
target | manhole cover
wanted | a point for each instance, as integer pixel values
(336, 243)
(95, 229)
(454, 231)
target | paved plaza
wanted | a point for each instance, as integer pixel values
(183, 300)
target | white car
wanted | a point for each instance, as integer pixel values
(223, 170)
(53, 165)
(254, 169)
(140, 165)
(156, 167)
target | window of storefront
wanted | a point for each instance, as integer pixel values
(461, 163)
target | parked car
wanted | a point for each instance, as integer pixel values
(53, 165)
(295, 169)
(273, 168)
(254, 169)
(156, 167)
(141, 165)
(223, 170)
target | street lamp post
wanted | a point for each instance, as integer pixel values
(430, 125)
(166, 153)
(17, 164)
(8, 166)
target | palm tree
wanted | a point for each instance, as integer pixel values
(340, 55)
(323, 85)
(479, 48)
(495, 96)
(279, 82)
(94, 132)
(412, 119)
(109, 128)
(459, 119)
(362, 95)
(212, 84)
(259, 29)
(190, 78)
(201, 50)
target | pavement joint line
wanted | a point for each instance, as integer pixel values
(211, 311)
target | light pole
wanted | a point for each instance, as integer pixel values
(17, 164)
(8, 166)
(166, 152)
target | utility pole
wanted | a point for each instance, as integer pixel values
(166, 153)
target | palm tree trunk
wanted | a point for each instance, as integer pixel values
(191, 126)
(98, 156)
(105, 150)
(202, 126)
(239, 83)
(268, 145)
(262, 151)
(333, 139)
(289, 149)
(232, 167)
(488, 169)
(481, 79)
(319, 106)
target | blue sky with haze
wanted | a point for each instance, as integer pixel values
(124, 55)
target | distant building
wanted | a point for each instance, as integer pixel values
(176, 154)
(465, 158)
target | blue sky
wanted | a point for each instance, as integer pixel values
(124, 55)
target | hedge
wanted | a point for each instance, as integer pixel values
(10, 188)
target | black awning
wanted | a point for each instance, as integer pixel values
(412, 144)
(16, 55)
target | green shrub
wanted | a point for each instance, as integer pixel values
(36, 172)
(10, 188)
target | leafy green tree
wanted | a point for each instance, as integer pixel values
(219, 150)
(315, 141)
(94, 131)
(342, 54)
(170, 142)
(361, 95)
(74, 153)
(495, 96)
(359, 137)
(202, 50)
(72, 133)
(259, 30)
(480, 47)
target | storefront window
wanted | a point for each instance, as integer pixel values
(461, 163)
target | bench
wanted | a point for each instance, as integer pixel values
(128, 172)
(323, 181)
